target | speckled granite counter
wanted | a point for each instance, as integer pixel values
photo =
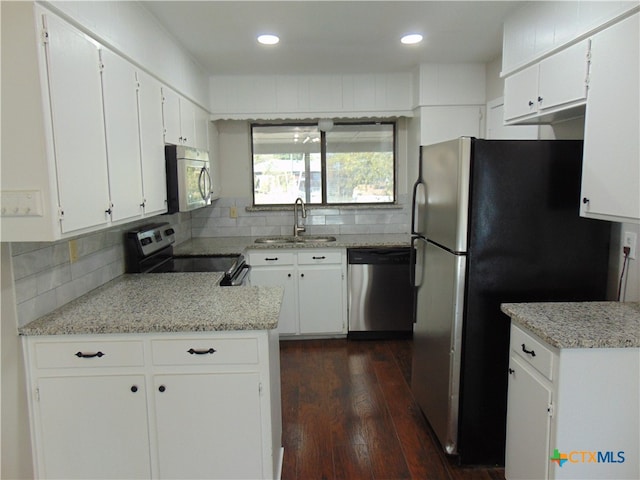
(580, 325)
(228, 245)
(163, 302)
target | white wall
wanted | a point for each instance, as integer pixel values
(16, 461)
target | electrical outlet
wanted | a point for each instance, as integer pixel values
(73, 251)
(233, 212)
(630, 239)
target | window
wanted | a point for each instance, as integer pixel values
(351, 163)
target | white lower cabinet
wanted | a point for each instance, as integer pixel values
(314, 281)
(92, 426)
(226, 443)
(156, 405)
(528, 423)
(572, 413)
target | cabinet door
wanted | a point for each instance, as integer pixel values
(119, 86)
(93, 427)
(281, 277)
(528, 424)
(187, 122)
(171, 116)
(321, 299)
(201, 120)
(208, 425)
(611, 169)
(154, 184)
(563, 77)
(78, 126)
(520, 93)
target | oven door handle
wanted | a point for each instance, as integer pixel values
(239, 279)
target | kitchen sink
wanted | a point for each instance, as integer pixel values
(274, 240)
(300, 239)
(316, 239)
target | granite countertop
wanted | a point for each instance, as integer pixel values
(231, 245)
(580, 324)
(163, 302)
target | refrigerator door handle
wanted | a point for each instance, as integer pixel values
(419, 212)
(417, 261)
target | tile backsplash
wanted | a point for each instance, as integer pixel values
(45, 278)
(216, 220)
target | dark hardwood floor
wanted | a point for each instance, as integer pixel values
(348, 413)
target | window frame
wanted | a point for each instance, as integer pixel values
(323, 165)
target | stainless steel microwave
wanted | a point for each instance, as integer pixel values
(188, 178)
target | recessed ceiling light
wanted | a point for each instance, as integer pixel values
(411, 39)
(268, 39)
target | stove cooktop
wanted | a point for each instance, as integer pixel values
(198, 264)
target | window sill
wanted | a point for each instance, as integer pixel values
(355, 206)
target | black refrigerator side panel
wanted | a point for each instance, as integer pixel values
(527, 243)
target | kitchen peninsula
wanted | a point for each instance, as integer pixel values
(157, 376)
(574, 391)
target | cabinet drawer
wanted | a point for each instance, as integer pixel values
(203, 351)
(314, 257)
(273, 257)
(534, 352)
(89, 354)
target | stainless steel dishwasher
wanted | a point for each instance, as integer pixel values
(380, 295)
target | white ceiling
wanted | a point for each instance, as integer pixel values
(332, 36)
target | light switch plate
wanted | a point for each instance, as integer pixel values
(21, 203)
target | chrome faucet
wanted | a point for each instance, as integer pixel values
(297, 228)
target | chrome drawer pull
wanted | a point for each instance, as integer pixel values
(89, 355)
(528, 352)
(200, 352)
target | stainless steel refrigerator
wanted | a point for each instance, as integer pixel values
(493, 221)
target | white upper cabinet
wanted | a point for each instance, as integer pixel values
(538, 29)
(77, 125)
(552, 89)
(611, 163)
(201, 121)
(184, 122)
(171, 116)
(119, 89)
(85, 148)
(154, 175)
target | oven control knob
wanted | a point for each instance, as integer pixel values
(169, 231)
